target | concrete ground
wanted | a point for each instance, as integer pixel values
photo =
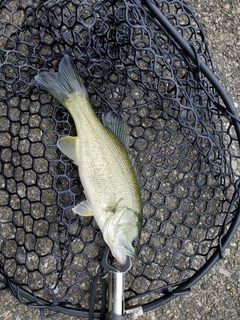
(217, 294)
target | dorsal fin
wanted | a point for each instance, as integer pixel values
(135, 168)
(118, 127)
(121, 131)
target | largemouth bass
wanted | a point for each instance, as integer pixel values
(100, 150)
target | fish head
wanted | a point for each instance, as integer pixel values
(122, 234)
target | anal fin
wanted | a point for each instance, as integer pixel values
(68, 146)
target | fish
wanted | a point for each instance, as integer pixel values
(101, 152)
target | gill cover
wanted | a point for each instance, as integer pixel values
(121, 232)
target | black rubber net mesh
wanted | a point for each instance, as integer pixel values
(184, 143)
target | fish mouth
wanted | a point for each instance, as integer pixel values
(122, 256)
(131, 252)
(131, 255)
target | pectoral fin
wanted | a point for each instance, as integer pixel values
(113, 208)
(68, 146)
(83, 209)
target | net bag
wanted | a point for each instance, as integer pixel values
(149, 62)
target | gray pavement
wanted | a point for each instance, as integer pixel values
(217, 294)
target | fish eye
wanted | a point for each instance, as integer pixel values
(135, 242)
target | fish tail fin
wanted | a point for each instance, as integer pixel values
(62, 84)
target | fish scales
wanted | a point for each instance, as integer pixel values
(105, 168)
(103, 160)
